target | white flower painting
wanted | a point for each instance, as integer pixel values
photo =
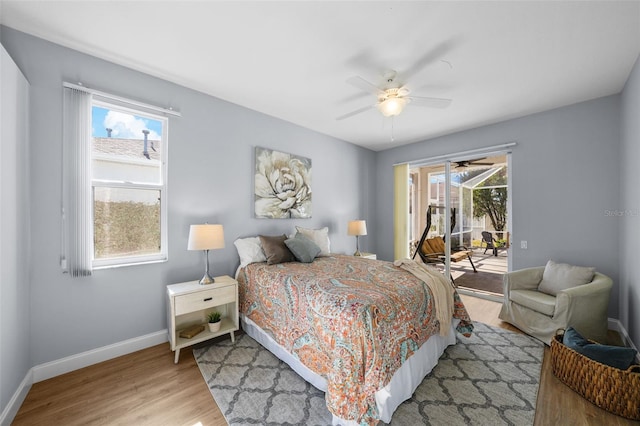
(282, 185)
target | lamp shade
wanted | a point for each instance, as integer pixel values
(206, 237)
(392, 106)
(357, 227)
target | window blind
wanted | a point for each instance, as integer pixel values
(77, 229)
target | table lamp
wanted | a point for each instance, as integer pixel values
(206, 237)
(357, 228)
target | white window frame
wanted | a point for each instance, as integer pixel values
(162, 256)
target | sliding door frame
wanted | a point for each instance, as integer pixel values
(504, 149)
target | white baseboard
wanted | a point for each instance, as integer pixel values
(17, 399)
(75, 362)
(616, 325)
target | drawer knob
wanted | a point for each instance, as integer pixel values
(208, 298)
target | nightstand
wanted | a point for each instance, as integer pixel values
(189, 304)
(368, 255)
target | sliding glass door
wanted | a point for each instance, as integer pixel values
(459, 201)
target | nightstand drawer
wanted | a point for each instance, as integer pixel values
(204, 299)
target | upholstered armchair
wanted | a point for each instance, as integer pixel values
(564, 301)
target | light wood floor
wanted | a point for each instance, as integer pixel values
(147, 388)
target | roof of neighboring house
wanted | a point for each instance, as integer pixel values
(126, 148)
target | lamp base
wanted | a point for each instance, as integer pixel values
(207, 279)
(357, 253)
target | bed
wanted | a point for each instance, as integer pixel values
(361, 330)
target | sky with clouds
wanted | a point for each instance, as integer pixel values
(125, 126)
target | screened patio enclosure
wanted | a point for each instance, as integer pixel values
(477, 193)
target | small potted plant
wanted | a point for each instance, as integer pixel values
(214, 321)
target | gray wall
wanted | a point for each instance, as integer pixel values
(210, 179)
(14, 229)
(565, 176)
(629, 300)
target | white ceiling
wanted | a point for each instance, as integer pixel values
(291, 60)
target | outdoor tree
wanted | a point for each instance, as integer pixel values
(490, 198)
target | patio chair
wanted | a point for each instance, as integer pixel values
(488, 239)
(432, 250)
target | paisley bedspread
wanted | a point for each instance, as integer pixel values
(353, 321)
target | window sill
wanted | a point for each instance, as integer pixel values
(123, 265)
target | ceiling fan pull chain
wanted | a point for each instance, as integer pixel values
(392, 120)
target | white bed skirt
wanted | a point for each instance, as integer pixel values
(402, 385)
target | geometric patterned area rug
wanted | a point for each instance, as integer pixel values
(490, 378)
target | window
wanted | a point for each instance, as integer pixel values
(114, 178)
(128, 185)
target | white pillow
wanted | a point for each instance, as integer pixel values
(318, 236)
(561, 276)
(249, 250)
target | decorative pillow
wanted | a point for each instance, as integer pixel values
(303, 248)
(249, 250)
(275, 249)
(318, 236)
(614, 356)
(572, 339)
(561, 276)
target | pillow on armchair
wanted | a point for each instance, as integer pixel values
(561, 276)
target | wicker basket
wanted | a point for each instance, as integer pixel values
(615, 390)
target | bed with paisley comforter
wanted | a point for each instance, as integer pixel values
(364, 331)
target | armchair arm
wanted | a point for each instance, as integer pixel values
(523, 279)
(586, 306)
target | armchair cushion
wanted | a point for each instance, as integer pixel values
(561, 276)
(535, 300)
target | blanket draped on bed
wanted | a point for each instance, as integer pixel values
(353, 321)
(441, 288)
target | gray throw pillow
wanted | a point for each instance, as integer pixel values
(561, 276)
(303, 248)
(275, 249)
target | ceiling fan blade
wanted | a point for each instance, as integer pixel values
(403, 91)
(430, 102)
(356, 112)
(481, 164)
(363, 84)
(429, 57)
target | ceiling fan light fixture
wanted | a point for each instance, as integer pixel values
(392, 106)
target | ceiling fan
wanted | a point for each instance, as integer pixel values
(392, 97)
(467, 163)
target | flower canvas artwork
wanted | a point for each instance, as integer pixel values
(282, 185)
